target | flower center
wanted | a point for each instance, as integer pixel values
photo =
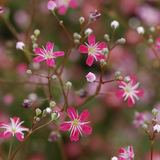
(48, 56)
(127, 90)
(13, 130)
(91, 50)
(75, 122)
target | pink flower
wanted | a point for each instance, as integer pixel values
(20, 45)
(129, 91)
(51, 5)
(91, 77)
(94, 50)
(13, 128)
(47, 54)
(157, 43)
(1, 10)
(157, 128)
(64, 4)
(8, 99)
(77, 124)
(126, 155)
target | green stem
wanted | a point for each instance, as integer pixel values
(152, 142)
(112, 37)
(10, 149)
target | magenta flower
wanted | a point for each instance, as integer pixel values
(129, 91)
(126, 155)
(13, 128)
(77, 124)
(94, 50)
(47, 54)
(64, 4)
(157, 43)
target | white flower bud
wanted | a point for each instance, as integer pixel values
(35, 45)
(120, 78)
(69, 85)
(48, 110)
(88, 31)
(77, 41)
(20, 45)
(154, 111)
(38, 112)
(33, 37)
(140, 30)
(37, 32)
(114, 158)
(105, 51)
(106, 37)
(122, 41)
(76, 35)
(54, 77)
(115, 24)
(81, 20)
(52, 104)
(150, 41)
(29, 72)
(118, 73)
(127, 79)
(55, 116)
(145, 126)
(152, 29)
(103, 62)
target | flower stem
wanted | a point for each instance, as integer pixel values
(10, 148)
(1, 156)
(112, 37)
(152, 142)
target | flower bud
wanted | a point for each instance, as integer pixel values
(120, 78)
(115, 24)
(81, 20)
(33, 37)
(20, 45)
(82, 93)
(105, 51)
(29, 72)
(90, 77)
(51, 5)
(38, 112)
(145, 126)
(106, 37)
(154, 111)
(38, 119)
(26, 103)
(77, 41)
(54, 136)
(152, 29)
(94, 16)
(122, 41)
(76, 35)
(103, 63)
(156, 128)
(55, 116)
(44, 114)
(140, 30)
(114, 158)
(118, 73)
(68, 85)
(150, 40)
(88, 31)
(54, 77)
(48, 110)
(52, 104)
(154, 121)
(35, 45)
(127, 79)
(37, 32)
(61, 23)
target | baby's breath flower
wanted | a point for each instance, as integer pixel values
(115, 24)
(81, 20)
(140, 30)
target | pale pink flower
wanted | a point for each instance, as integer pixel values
(126, 154)
(114, 158)
(64, 4)
(129, 91)
(47, 54)
(77, 124)
(8, 99)
(13, 128)
(20, 45)
(157, 128)
(22, 68)
(51, 5)
(91, 77)
(1, 10)
(93, 49)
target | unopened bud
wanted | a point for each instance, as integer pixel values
(35, 45)
(127, 79)
(152, 29)
(145, 126)
(54, 77)
(55, 116)
(37, 119)
(118, 73)
(106, 37)
(88, 31)
(82, 93)
(48, 110)
(154, 121)
(37, 32)
(68, 85)
(44, 114)
(105, 50)
(61, 22)
(52, 104)
(115, 24)
(103, 62)
(150, 41)
(54, 136)
(38, 112)
(29, 72)
(81, 20)
(120, 78)
(33, 37)
(154, 111)
(140, 30)
(122, 41)
(77, 41)
(76, 35)
(26, 103)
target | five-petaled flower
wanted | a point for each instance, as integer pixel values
(129, 91)
(94, 50)
(77, 124)
(13, 128)
(47, 54)
(64, 4)
(126, 154)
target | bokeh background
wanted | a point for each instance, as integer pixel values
(111, 119)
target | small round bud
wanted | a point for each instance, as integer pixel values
(154, 121)
(77, 41)
(152, 29)
(118, 73)
(76, 35)
(94, 16)
(54, 77)
(37, 119)
(52, 104)
(33, 37)
(120, 78)
(68, 85)
(154, 111)
(145, 126)
(105, 50)
(150, 41)
(29, 72)
(140, 30)
(37, 32)
(103, 62)
(38, 112)
(48, 110)
(35, 45)
(20, 45)
(51, 5)
(106, 37)
(82, 93)
(122, 41)
(90, 77)
(114, 158)
(55, 116)
(44, 114)
(88, 31)
(61, 22)
(115, 24)
(81, 20)
(127, 79)
(26, 103)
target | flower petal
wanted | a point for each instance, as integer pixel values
(101, 45)
(100, 56)
(49, 47)
(74, 135)
(83, 49)
(65, 126)
(38, 59)
(50, 62)
(119, 94)
(72, 113)
(90, 60)
(21, 128)
(4, 124)
(139, 92)
(91, 40)
(5, 134)
(133, 79)
(39, 51)
(20, 136)
(62, 10)
(121, 151)
(58, 54)
(86, 129)
(84, 115)
(16, 120)
(73, 3)
(130, 102)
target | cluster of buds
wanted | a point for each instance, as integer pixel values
(77, 38)
(118, 76)
(34, 38)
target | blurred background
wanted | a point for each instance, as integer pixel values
(111, 118)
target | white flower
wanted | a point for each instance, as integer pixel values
(115, 24)
(156, 128)
(20, 45)
(91, 77)
(140, 30)
(114, 158)
(88, 31)
(51, 5)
